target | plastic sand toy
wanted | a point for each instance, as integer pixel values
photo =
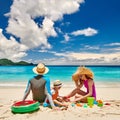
(90, 101)
(100, 103)
(85, 105)
(78, 104)
(25, 106)
(73, 104)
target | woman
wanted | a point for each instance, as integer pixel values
(83, 77)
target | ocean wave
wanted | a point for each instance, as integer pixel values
(12, 85)
(66, 84)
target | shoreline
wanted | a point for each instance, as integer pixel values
(65, 84)
(103, 93)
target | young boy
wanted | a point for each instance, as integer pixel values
(58, 100)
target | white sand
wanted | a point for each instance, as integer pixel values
(109, 94)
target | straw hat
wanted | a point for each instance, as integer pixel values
(76, 76)
(57, 83)
(86, 71)
(40, 69)
(82, 71)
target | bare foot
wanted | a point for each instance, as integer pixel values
(56, 109)
(64, 108)
(66, 99)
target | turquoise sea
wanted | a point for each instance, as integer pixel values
(16, 75)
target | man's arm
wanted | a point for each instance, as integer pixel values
(48, 92)
(27, 91)
(49, 97)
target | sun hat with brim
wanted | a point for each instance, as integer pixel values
(40, 69)
(82, 71)
(76, 76)
(57, 83)
(86, 71)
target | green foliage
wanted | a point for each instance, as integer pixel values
(9, 62)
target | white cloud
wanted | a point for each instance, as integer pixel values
(86, 32)
(43, 51)
(88, 47)
(22, 15)
(48, 29)
(65, 24)
(11, 49)
(86, 58)
(83, 56)
(66, 37)
(111, 50)
(59, 30)
(22, 25)
(113, 44)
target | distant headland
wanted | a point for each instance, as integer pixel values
(7, 62)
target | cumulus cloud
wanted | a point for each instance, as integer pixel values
(11, 49)
(31, 34)
(22, 25)
(24, 12)
(86, 32)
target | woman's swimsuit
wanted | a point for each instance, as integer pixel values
(93, 88)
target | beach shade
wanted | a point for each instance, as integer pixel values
(25, 106)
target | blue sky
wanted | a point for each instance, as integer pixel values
(65, 32)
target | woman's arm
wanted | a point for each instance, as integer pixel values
(90, 84)
(78, 84)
